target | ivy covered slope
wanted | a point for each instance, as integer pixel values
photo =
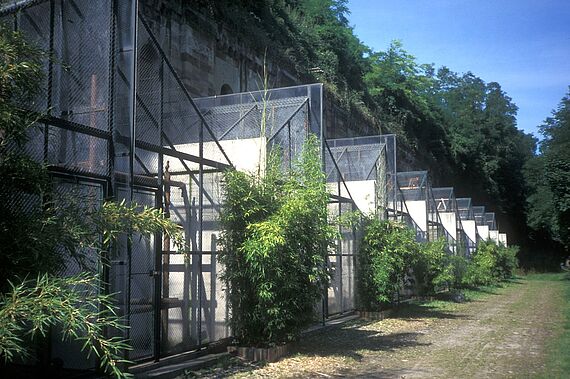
(457, 125)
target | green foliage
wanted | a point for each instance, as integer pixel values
(115, 219)
(387, 250)
(275, 238)
(41, 231)
(461, 127)
(434, 269)
(507, 261)
(20, 79)
(481, 269)
(549, 178)
(460, 265)
(490, 264)
(73, 304)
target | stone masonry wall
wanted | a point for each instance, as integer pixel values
(206, 55)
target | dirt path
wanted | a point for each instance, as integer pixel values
(501, 335)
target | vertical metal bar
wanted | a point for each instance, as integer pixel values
(290, 145)
(50, 76)
(339, 259)
(200, 229)
(189, 309)
(132, 132)
(110, 188)
(310, 110)
(111, 102)
(355, 249)
(133, 100)
(48, 339)
(159, 248)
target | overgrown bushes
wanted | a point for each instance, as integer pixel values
(388, 249)
(389, 252)
(274, 243)
(434, 268)
(490, 264)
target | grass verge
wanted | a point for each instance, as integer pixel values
(557, 360)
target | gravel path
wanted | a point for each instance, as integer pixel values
(501, 335)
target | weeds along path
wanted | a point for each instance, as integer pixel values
(499, 334)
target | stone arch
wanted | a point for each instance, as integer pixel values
(226, 89)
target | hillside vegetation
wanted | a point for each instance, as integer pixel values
(457, 125)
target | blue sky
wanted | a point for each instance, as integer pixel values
(524, 45)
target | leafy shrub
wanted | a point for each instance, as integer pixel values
(274, 243)
(37, 240)
(507, 261)
(481, 268)
(434, 268)
(30, 307)
(490, 264)
(73, 304)
(459, 265)
(387, 251)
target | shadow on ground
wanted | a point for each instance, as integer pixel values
(421, 310)
(349, 340)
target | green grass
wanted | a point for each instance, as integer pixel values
(558, 353)
(443, 302)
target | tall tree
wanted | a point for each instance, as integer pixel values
(549, 176)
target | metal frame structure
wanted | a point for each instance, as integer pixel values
(417, 207)
(368, 166)
(481, 222)
(120, 124)
(468, 223)
(253, 124)
(492, 224)
(114, 107)
(446, 206)
(119, 118)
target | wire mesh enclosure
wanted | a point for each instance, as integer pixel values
(481, 222)
(492, 224)
(118, 121)
(469, 228)
(251, 125)
(446, 207)
(412, 203)
(366, 166)
(436, 228)
(490, 220)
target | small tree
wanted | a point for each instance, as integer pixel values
(480, 270)
(388, 249)
(434, 268)
(274, 243)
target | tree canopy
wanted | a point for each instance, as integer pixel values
(548, 176)
(458, 126)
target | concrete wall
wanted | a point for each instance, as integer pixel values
(363, 192)
(494, 235)
(503, 239)
(418, 212)
(205, 54)
(483, 231)
(470, 229)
